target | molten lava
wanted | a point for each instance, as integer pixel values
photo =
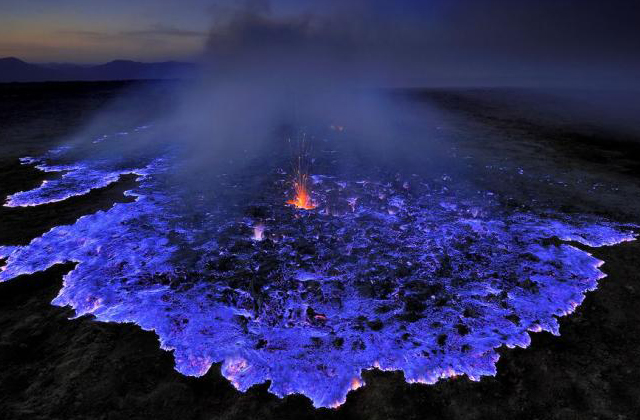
(301, 164)
(303, 197)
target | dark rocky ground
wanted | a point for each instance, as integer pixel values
(54, 367)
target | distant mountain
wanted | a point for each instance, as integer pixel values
(65, 66)
(123, 69)
(16, 70)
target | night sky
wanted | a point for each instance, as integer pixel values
(447, 41)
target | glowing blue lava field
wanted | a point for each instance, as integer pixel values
(426, 275)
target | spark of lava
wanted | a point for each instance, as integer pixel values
(301, 187)
(302, 199)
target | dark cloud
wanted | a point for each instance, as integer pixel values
(308, 48)
(154, 32)
(542, 26)
(85, 34)
(164, 31)
(441, 42)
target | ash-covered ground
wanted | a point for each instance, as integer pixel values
(412, 265)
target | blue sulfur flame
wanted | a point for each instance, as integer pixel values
(427, 281)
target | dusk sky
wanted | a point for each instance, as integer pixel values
(94, 31)
(510, 37)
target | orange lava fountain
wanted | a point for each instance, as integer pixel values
(301, 164)
(303, 197)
